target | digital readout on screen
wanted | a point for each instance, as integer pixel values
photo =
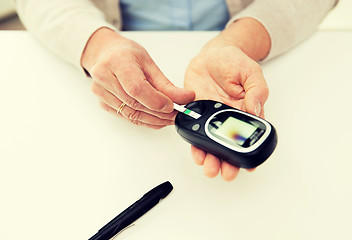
(234, 131)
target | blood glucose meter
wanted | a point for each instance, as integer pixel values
(237, 137)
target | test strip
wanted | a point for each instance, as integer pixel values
(186, 111)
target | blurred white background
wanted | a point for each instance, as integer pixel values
(338, 19)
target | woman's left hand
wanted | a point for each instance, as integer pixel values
(224, 73)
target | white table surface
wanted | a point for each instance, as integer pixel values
(67, 167)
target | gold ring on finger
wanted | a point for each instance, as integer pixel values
(119, 110)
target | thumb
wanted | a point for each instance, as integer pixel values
(255, 98)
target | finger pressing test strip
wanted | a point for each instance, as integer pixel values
(186, 111)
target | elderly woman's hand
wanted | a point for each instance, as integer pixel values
(226, 70)
(128, 83)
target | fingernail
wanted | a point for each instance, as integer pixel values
(258, 109)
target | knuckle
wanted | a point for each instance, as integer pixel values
(265, 92)
(135, 122)
(134, 89)
(126, 69)
(99, 74)
(95, 72)
(256, 67)
(104, 106)
(160, 105)
(134, 104)
(96, 89)
(108, 59)
(134, 115)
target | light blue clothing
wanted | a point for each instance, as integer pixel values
(174, 14)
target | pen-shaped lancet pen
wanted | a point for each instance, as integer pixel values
(133, 212)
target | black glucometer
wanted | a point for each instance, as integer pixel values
(237, 137)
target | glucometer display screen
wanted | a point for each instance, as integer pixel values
(234, 130)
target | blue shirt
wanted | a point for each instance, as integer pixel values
(156, 15)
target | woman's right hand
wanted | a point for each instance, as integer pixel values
(123, 72)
